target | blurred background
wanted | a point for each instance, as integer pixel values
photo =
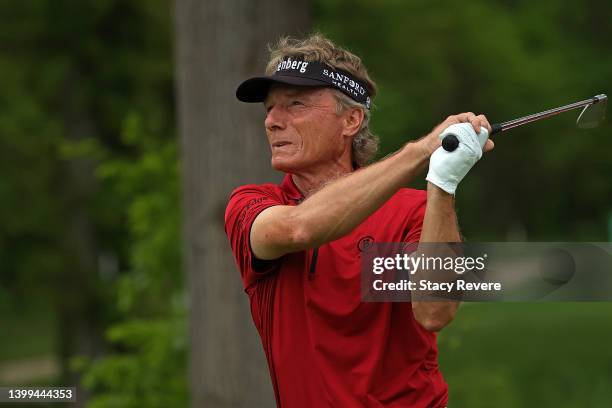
(118, 125)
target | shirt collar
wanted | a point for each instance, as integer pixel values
(290, 189)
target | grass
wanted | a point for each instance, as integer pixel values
(529, 355)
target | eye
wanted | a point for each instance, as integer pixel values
(296, 103)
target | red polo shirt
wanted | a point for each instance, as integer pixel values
(326, 348)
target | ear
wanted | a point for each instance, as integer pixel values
(353, 118)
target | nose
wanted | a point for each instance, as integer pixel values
(275, 118)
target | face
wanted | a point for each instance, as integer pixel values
(304, 131)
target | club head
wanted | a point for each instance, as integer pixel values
(592, 115)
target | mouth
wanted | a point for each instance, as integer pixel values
(280, 143)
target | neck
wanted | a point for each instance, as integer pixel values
(312, 180)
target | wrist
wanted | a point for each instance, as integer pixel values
(416, 152)
(429, 143)
(435, 192)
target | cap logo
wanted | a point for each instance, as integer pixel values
(293, 65)
(345, 82)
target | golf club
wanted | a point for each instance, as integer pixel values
(592, 115)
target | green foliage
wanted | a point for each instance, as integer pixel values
(70, 73)
(150, 372)
(148, 365)
(147, 186)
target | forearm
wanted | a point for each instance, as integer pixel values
(439, 226)
(340, 206)
(440, 222)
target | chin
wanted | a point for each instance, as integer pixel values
(285, 164)
(282, 165)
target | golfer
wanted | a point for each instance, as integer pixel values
(298, 244)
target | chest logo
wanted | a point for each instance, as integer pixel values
(365, 243)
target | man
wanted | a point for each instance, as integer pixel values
(298, 244)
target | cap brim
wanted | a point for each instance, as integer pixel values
(256, 89)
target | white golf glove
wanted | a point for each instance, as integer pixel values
(447, 169)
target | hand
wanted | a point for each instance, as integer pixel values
(447, 169)
(432, 141)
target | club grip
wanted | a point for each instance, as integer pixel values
(495, 128)
(450, 142)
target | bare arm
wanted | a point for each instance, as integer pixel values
(439, 225)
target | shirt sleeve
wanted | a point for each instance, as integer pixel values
(245, 204)
(417, 202)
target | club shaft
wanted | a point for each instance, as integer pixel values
(547, 113)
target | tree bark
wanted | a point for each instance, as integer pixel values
(218, 44)
(79, 322)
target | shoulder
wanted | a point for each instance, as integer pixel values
(254, 189)
(251, 198)
(251, 194)
(244, 205)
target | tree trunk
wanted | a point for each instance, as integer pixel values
(218, 44)
(80, 329)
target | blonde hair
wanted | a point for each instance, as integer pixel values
(317, 48)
